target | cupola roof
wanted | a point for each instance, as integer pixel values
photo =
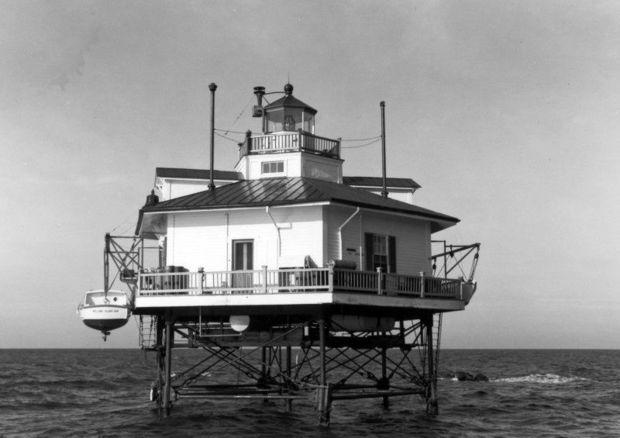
(290, 101)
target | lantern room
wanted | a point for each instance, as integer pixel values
(288, 114)
(288, 146)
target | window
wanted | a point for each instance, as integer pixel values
(272, 167)
(380, 252)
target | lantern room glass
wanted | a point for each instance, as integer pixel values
(288, 119)
(308, 122)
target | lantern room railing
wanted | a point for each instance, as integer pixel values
(294, 141)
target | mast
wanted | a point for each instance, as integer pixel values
(384, 192)
(212, 88)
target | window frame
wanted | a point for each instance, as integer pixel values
(388, 251)
(278, 165)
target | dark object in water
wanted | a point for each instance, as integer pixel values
(462, 376)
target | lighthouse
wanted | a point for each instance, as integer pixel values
(288, 258)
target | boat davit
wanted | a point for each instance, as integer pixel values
(104, 311)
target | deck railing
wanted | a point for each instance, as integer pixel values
(270, 281)
(290, 142)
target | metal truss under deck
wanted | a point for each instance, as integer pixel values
(314, 359)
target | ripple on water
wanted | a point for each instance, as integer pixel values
(82, 393)
(541, 378)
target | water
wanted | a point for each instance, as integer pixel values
(543, 393)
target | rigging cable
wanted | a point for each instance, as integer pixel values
(242, 111)
(228, 138)
(361, 139)
(361, 145)
(226, 131)
(127, 222)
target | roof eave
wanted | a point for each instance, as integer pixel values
(182, 173)
(294, 103)
(363, 181)
(184, 209)
(139, 223)
(437, 226)
(366, 187)
(440, 221)
(445, 220)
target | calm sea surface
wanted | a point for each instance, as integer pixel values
(542, 393)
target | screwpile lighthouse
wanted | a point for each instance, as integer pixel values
(305, 281)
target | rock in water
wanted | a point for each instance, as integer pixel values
(462, 376)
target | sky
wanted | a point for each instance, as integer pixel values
(506, 112)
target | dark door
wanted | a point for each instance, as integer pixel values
(243, 260)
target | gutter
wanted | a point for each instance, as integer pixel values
(340, 230)
(277, 229)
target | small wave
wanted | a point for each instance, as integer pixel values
(540, 378)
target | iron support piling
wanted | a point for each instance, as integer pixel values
(168, 365)
(324, 391)
(432, 407)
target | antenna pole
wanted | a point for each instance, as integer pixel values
(212, 88)
(384, 193)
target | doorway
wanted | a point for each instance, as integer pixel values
(242, 260)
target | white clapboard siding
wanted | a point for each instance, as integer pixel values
(336, 216)
(403, 195)
(203, 239)
(295, 164)
(412, 237)
(250, 166)
(315, 166)
(182, 188)
(301, 231)
(168, 188)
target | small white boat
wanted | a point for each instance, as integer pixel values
(104, 311)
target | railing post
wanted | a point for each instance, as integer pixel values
(379, 292)
(248, 141)
(461, 288)
(264, 278)
(300, 139)
(201, 271)
(330, 277)
(422, 284)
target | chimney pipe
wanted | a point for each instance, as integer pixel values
(212, 88)
(384, 193)
(259, 92)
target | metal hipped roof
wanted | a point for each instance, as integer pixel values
(290, 191)
(289, 101)
(376, 181)
(172, 172)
